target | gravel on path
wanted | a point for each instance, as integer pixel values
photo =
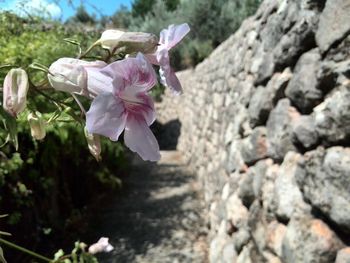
(157, 217)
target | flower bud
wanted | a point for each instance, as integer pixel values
(102, 245)
(37, 126)
(15, 91)
(128, 42)
(94, 144)
(71, 75)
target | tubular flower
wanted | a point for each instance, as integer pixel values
(127, 107)
(15, 91)
(37, 126)
(168, 39)
(74, 75)
(128, 42)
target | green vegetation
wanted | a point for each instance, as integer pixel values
(211, 22)
(46, 186)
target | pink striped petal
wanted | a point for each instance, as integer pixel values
(139, 138)
(106, 116)
(137, 73)
(167, 74)
(172, 35)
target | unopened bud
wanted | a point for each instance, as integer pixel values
(15, 91)
(128, 42)
(94, 144)
(37, 126)
(102, 245)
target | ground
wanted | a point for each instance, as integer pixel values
(157, 217)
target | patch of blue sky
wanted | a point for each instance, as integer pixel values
(62, 9)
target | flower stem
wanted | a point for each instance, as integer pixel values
(24, 250)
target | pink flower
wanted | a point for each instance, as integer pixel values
(127, 107)
(168, 39)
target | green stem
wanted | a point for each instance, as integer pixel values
(88, 50)
(24, 250)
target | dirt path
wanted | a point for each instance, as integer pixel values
(157, 217)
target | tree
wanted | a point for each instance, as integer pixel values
(142, 7)
(82, 16)
(121, 18)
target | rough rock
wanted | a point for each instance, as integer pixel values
(303, 87)
(217, 247)
(279, 129)
(323, 176)
(273, 73)
(341, 52)
(249, 254)
(334, 23)
(265, 98)
(298, 40)
(343, 255)
(305, 132)
(275, 235)
(245, 188)
(268, 186)
(270, 258)
(332, 117)
(308, 241)
(254, 148)
(250, 185)
(288, 199)
(229, 254)
(241, 238)
(235, 160)
(263, 65)
(258, 225)
(237, 213)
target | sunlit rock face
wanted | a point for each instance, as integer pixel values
(265, 124)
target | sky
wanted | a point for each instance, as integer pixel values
(62, 9)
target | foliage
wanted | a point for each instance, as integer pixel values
(42, 186)
(82, 16)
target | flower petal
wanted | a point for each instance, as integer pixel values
(137, 73)
(106, 116)
(98, 82)
(167, 74)
(173, 35)
(15, 91)
(142, 105)
(169, 79)
(140, 139)
(70, 74)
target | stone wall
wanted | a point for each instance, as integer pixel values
(265, 124)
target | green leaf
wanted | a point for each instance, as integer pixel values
(2, 259)
(11, 126)
(5, 233)
(39, 66)
(6, 66)
(72, 41)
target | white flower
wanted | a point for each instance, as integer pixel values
(37, 126)
(102, 245)
(74, 75)
(128, 42)
(15, 91)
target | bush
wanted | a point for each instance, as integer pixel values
(46, 186)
